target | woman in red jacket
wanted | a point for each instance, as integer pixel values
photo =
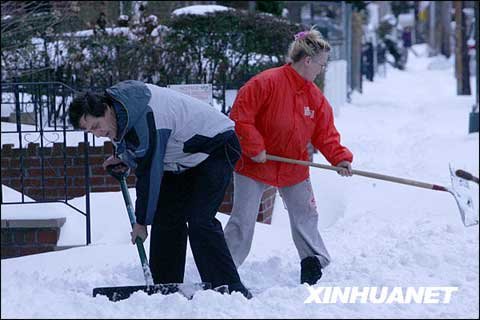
(278, 112)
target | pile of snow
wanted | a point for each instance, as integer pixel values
(441, 62)
(200, 9)
(410, 124)
(89, 32)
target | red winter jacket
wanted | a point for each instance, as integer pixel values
(280, 112)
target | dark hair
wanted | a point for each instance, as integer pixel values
(87, 103)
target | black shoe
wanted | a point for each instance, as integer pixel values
(311, 270)
(240, 288)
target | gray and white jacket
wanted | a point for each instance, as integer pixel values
(161, 129)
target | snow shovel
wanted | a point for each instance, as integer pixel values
(459, 189)
(121, 172)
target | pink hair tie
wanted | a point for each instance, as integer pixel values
(301, 35)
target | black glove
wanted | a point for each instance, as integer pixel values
(118, 171)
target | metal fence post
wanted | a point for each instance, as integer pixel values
(87, 187)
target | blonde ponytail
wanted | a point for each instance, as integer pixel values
(307, 43)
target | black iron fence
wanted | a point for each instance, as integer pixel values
(37, 154)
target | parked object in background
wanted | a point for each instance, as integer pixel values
(367, 61)
(473, 120)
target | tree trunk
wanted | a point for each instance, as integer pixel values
(476, 49)
(431, 28)
(356, 51)
(445, 46)
(438, 26)
(462, 70)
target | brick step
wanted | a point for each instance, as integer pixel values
(22, 237)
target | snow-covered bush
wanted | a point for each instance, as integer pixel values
(224, 48)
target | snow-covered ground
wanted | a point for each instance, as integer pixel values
(409, 124)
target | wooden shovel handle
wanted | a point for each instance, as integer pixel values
(360, 173)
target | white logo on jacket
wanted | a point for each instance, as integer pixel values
(308, 112)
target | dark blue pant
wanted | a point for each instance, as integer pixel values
(187, 206)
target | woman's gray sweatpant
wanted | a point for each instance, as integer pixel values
(300, 202)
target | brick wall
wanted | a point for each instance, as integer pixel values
(24, 237)
(265, 210)
(56, 177)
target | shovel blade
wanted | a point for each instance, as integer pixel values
(461, 192)
(120, 293)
